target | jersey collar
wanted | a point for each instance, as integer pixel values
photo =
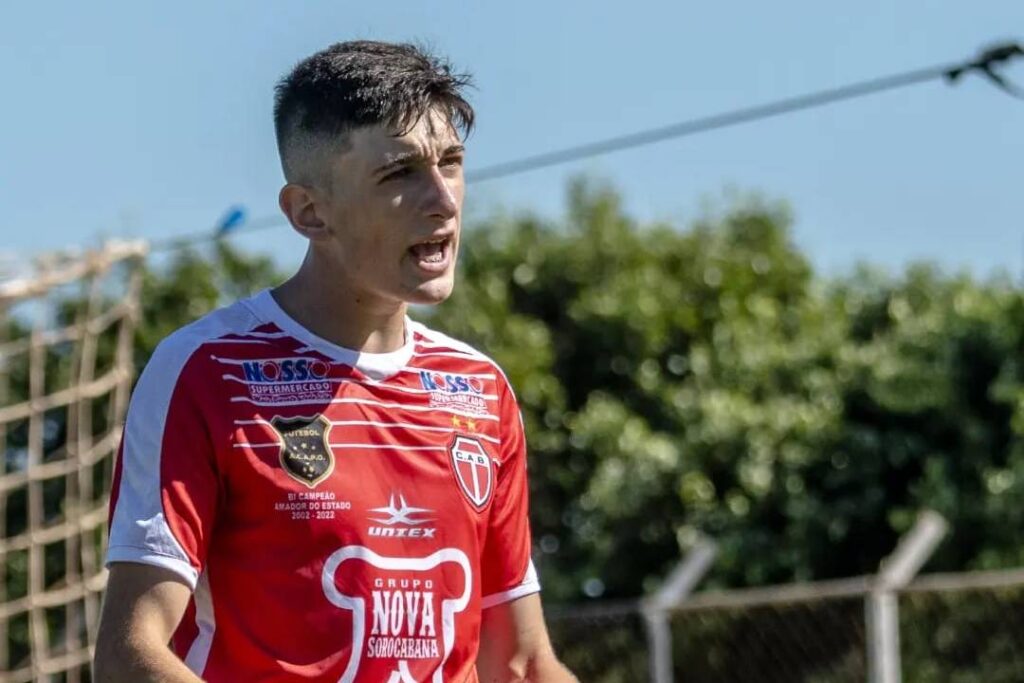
(374, 365)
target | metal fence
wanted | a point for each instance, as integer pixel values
(952, 628)
(602, 643)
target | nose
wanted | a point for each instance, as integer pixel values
(440, 201)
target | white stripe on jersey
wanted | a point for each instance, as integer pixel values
(420, 392)
(370, 423)
(235, 341)
(434, 345)
(236, 361)
(369, 402)
(267, 335)
(389, 447)
(367, 383)
(410, 426)
(383, 447)
(465, 348)
(365, 401)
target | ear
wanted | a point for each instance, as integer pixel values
(303, 207)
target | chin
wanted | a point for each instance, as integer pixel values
(430, 293)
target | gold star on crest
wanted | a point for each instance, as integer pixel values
(456, 421)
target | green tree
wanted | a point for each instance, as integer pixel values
(191, 283)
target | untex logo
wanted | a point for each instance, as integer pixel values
(401, 520)
(451, 384)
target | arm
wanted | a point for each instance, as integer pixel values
(514, 645)
(164, 500)
(141, 610)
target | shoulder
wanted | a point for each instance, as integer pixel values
(432, 343)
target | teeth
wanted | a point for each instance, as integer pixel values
(430, 252)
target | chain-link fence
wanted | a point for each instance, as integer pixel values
(604, 643)
(953, 628)
(966, 628)
(813, 634)
(65, 374)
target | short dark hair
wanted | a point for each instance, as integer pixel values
(362, 83)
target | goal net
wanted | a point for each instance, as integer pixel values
(66, 331)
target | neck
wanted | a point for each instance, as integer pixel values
(331, 309)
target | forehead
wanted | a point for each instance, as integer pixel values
(432, 134)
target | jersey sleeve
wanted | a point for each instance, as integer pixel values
(165, 491)
(507, 571)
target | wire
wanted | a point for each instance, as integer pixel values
(984, 64)
(709, 123)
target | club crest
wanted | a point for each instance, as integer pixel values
(305, 453)
(473, 471)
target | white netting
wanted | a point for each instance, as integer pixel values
(65, 375)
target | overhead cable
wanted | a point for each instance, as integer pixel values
(985, 64)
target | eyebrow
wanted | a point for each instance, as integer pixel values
(405, 158)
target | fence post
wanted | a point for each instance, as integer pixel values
(679, 584)
(882, 608)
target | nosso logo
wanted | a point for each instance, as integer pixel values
(452, 384)
(287, 370)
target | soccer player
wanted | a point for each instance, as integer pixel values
(312, 486)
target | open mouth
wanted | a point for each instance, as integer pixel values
(432, 254)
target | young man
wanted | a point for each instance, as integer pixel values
(311, 485)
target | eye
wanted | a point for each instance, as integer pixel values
(451, 166)
(400, 172)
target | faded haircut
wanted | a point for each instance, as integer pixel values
(360, 83)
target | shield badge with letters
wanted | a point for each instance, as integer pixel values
(473, 470)
(305, 454)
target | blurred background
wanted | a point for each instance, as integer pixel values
(772, 373)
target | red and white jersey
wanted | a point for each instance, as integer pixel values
(341, 516)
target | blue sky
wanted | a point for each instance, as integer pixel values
(150, 119)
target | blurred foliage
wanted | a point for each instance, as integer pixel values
(191, 283)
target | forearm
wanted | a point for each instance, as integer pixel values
(548, 670)
(542, 667)
(142, 608)
(515, 647)
(140, 663)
